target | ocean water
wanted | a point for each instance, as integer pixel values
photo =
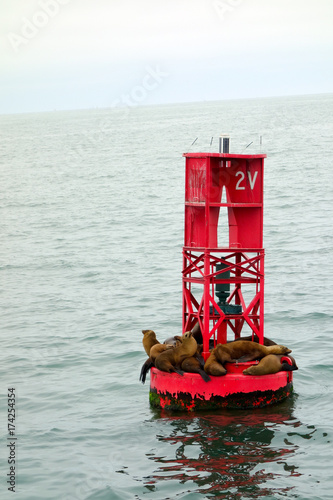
(91, 238)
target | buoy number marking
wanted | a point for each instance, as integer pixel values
(242, 177)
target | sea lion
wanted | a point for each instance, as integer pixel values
(193, 365)
(171, 359)
(273, 363)
(244, 350)
(149, 339)
(170, 341)
(213, 367)
(150, 362)
(157, 349)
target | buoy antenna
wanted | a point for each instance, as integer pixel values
(195, 140)
(247, 147)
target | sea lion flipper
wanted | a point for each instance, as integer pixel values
(286, 367)
(177, 370)
(201, 360)
(205, 376)
(145, 368)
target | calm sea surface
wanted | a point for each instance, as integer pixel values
(91, 237)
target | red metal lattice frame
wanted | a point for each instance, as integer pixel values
(199, 268)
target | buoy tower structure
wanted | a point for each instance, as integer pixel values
(223, 281)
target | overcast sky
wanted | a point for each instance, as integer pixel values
(72, 54)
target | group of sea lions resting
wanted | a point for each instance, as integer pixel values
(177, 354)
(183, 354)
(273, 358)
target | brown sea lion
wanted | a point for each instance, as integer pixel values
(149, 339)
(213, 367)
(273, 363)
(194, 365)
(150, 362)
(171, 359)
(244, 350)
(157, 349)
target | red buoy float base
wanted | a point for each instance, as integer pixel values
(190, 392)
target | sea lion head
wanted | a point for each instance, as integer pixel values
(170, 340)
(285, 350)
(149, 333)
(189, 344)
(177, 341)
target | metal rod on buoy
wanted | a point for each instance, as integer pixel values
(224, 143)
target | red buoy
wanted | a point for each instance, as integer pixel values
(223, 281)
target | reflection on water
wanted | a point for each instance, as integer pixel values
(231, 452)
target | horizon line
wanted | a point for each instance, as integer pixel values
(174, 103)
